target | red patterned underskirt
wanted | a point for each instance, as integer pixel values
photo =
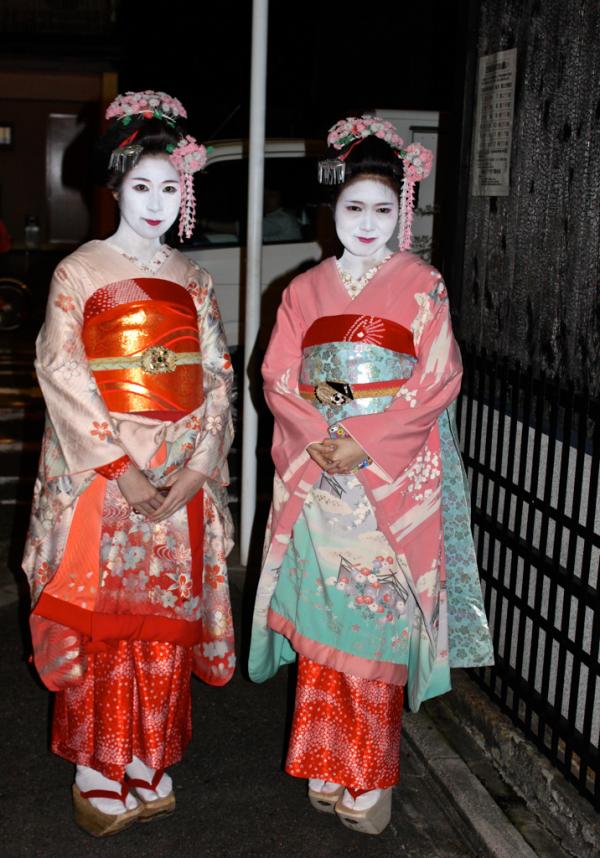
(346, 729)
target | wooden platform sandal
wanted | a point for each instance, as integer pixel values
(94, 821)
(325, 802)
(157, 807)
(370, 821)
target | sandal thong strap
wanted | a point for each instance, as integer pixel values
(150, 785)
(106, 793)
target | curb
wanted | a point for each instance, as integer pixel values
(492, 833)
(568, 816)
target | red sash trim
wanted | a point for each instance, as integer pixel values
(101, 629)
(371, 330)
(366, 390)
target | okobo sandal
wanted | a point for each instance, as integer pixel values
(156, 807)
(370, 821)
(323, 801)
(94, 821)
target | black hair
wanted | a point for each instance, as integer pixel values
(154, 135)
(373, 158)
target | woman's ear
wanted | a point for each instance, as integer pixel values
(115, 195)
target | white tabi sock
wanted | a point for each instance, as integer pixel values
(361, 802)
(89, 779)
(317, 785)
(138, 770)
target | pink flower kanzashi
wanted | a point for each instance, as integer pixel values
(147, 102)
(417, 162)
(353, 128)
(188, 156)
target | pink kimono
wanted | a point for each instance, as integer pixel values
(391, 368)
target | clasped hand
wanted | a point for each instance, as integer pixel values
(337, 455)
(147, 500)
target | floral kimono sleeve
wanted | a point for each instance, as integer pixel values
(216, 433)
(78, 417)
(395, 436)
(297, 422)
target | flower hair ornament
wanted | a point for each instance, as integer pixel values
(416, 161)
(187, 156)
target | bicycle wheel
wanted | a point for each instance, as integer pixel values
(15, 303)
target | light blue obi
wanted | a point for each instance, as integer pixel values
(355, 365)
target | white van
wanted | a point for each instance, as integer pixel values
(297, 230)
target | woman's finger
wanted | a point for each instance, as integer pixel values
(169, 505)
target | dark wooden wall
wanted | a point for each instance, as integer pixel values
(531, 271)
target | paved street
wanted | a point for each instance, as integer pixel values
(233, 798)
(232, 795)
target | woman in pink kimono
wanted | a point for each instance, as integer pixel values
(130, 528)
(369, 573)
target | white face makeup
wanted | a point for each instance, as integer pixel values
(366, 214)
(149, 197)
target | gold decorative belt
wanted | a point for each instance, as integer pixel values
(338, 393)
(154, 360)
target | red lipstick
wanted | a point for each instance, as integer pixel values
(152, 222)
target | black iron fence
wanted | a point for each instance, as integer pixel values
(532, 452)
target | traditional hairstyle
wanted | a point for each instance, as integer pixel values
(152, 123)
(370, 146)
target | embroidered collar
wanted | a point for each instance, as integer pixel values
(355, 286)
(153, 265)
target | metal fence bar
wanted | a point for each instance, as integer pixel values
(532, 452)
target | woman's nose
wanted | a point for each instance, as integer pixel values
(154, 202)
(367, 219)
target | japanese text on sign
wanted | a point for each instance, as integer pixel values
(493, 124)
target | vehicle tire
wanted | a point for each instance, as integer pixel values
(15, 303)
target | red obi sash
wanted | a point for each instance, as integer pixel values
(360, 329)
(147, 323)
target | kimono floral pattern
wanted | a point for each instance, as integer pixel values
(360, 362)
(320, 594)
(144, 568)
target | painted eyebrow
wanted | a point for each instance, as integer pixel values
(362, 203)
(144, 179)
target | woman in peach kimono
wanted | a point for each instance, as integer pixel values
(369, 573)
(130, 528)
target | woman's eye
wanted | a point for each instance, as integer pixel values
(352, 208)
(384, 210)
(170, 189)
(140, 187)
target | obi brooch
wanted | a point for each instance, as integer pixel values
(333, 392)
(154, 360)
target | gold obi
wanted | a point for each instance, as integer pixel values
(144, 354)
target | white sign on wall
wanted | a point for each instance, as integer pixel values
(493, 124)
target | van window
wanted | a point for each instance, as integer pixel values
(290, 205)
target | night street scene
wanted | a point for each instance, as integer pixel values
(300, 429)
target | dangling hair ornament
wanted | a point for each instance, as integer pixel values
(416, 160)
(188, 156)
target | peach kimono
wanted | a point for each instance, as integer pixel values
(132, 362)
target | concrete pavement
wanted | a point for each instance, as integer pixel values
(233, 798)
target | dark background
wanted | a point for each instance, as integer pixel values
(324, 62)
